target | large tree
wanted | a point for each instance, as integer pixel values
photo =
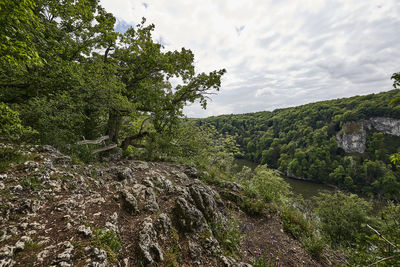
(92, 79)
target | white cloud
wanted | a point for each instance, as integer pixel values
(278, 53)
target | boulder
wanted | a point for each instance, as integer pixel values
(129, 203)
(189, 218)
(149, 249)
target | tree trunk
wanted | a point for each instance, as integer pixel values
(129, 139)
(113, 126)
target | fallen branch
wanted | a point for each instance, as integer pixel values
(104, 148)
(93, 142)
(381, 236)
(387, 258)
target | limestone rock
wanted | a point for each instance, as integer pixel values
(149, 249)
(86, 231)
(124, 174)
(188, 216)
(203, 197)
(129, 203)
(163, 224)
(352, 137)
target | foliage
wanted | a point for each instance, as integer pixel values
(301, 142)
(18, 24)
(343, 217)
(173, 255)
(11, 127)
(268, 185)
(228, 235)
(295, 223)
(32, 183)
(70, 74)
(8, 156)
(109, 241)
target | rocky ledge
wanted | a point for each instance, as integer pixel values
(127, 213)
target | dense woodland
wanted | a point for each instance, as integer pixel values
(66, 74)
(70, 75)
(301, 141)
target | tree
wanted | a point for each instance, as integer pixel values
(145, 70)
(342, 216)
(18, 27)
(93, 79)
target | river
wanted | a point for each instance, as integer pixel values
(299, 187)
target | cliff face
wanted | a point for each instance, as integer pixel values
(352, 138)
(129, 213)
(385, 125)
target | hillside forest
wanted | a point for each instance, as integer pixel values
(301, 142)
(67, 75)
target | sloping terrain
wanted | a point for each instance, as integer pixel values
(129, 213)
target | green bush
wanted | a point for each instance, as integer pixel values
(314, 245)
(268, 185)
(228, 235)
(109, 241)
(9, 156)
(11, 127)
(295, 223)
(343, 217)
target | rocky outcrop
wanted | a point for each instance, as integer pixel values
(352, 138)
(121, 213)
(385, 125)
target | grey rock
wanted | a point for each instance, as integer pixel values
(163, 224)
(124, 174)
(129, 203)
(50, 149)
(151, 201)
(192, 172)
(383, 124)
(62, 160)
(66, 255)
(194, 251)
(7, 262)
(203, 197)
(86, 231)
(352, 137)
(140, 165)
(18, 188)
(20, 245)
(149, 249)
(189, 218)
(230, 262)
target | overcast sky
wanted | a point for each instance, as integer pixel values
(277, 53)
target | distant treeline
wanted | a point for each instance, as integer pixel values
(301, 141)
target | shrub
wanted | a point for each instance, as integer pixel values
(228, 235)
(295, 223)
(269, 186)
(109, 241)
(11, 127)
(343, 217)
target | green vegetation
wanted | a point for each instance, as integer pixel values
(228, 236)
(173, 257)
(109, 241)
(32, 183)
(301, 142)
(343, 217)
(69, 74)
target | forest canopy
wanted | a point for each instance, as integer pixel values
(69, 74)
(301, 142)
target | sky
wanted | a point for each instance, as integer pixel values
(277, 53)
